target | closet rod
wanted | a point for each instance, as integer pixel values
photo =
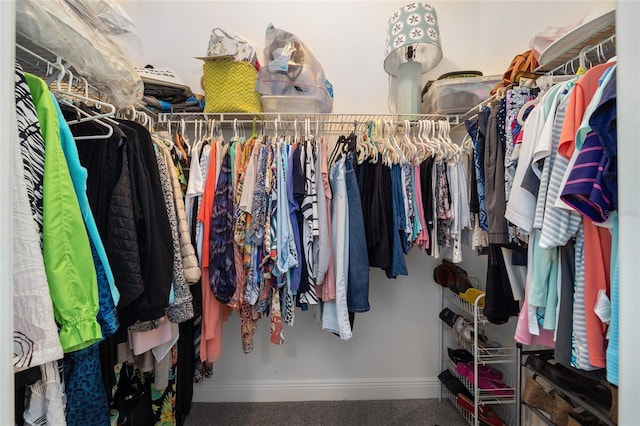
(290, 118)
(471, 113)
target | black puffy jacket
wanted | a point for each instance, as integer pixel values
(152, 223)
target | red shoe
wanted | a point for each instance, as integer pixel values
(484, 371)
(488, 379)
(485, 413)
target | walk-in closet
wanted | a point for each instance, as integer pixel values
(322, 212)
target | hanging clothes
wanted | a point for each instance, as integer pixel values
(181, 307)
(222, 274)
(214, 312)
(358, 271)
(36, 339)
(66, 250)
(335, 315)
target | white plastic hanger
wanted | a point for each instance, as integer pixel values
(64, 95)
(99, 119)
(408, 148)
(524, 108)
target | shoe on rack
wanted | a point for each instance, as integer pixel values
(484, 371)
(460, 324)
(442, 275)
(595, 390)
(448, 316)
(536, 396)
(461, 282)
(454, 385)
(561, 410)
(495, 386)
(486, 415)
(472, 295)
(459, 355)
(450, 275)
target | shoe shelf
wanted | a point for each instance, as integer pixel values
(577, 400)
(484, 355)
(477, 341)
(468, 416)
(469, 308)
(506, 413)
(502, 411)
(488, 396)
(544, 418)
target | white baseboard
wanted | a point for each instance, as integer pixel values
(316, 390)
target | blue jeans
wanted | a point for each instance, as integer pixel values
(399, 241)
(358, 287)
(335, 315)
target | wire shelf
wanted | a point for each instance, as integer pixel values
(44, 63)
(468, 416)
(503, 411)
(486, 396)
(602, 43)
(469, 308)
(487, 355)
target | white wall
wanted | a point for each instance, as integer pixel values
(629, 209)
(347, 37)
(395, 349)
(8, 131)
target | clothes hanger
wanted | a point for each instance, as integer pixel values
(379, 141)
(336, 152)
(66, 94)
(387, 150)
(165, 140)
(436, 149)
(467, 143)
(408, 148)
(400, 157)
(236, 134)
(197, 135)
(524, 108)
(362, 149)
(444, 143)
(425, 150)
(457, 149)
(442, 148)
(352, 139)
(184, 138)
(102, 120)
(372, 148)
(413, 142)
(275, 128)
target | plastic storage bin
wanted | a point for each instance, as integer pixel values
(290, 104)
(458, 95)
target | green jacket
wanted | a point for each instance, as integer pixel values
(65, 244)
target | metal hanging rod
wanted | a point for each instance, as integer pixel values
(290, 118)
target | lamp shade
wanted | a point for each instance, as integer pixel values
(416, 25)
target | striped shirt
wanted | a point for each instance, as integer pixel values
(559, 225)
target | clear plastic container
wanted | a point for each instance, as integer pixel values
(290, 104)
(458, 95)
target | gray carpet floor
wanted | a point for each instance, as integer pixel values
(428, 412)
